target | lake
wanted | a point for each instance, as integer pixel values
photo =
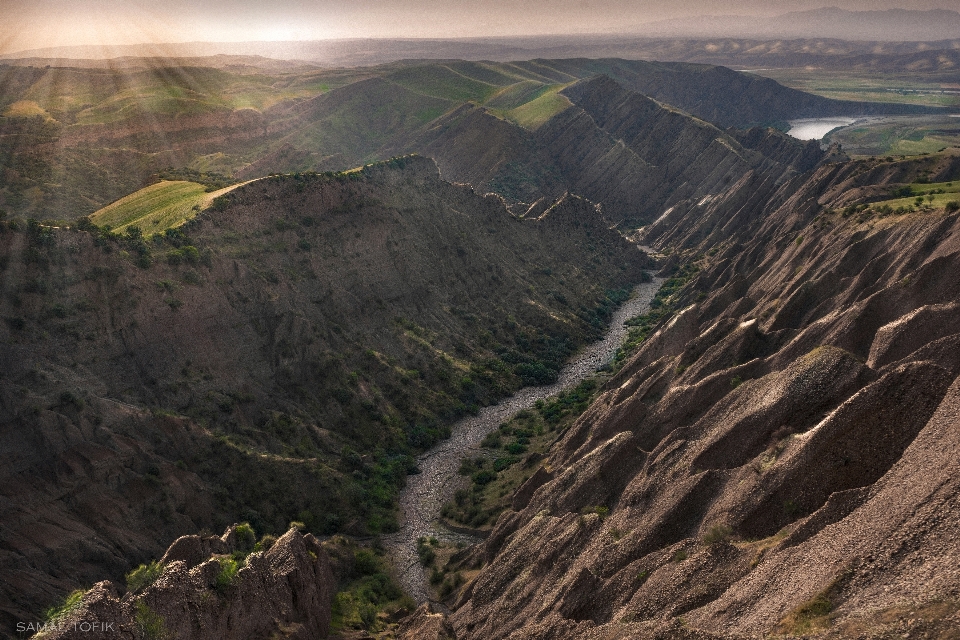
(816, 128)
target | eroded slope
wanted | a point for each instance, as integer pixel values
(779, 456)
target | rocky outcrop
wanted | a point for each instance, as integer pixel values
(425, 624)
(283, 592)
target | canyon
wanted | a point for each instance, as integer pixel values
(771, 451)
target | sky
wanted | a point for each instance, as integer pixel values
(31, 24)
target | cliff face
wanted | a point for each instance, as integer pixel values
(778, 457)
(280, 361)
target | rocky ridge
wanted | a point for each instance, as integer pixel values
(634, 155)
(283, 592)
(325, 328)
(778, 457)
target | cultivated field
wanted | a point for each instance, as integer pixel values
(159, 207)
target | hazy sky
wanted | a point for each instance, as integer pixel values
(30, 24)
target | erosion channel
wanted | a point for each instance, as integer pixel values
(426, 492)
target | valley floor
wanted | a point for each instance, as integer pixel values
(426, 492)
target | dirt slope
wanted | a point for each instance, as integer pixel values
(779, 457)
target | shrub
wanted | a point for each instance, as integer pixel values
(149, 622)
(365, 562)
(229, 567)
(143, 576)
(70, 604)
(424, 551)
(491, 441)
(246, 538)
(450, 584)
(716, 534)
(809, 616)
(601, 511)
(70, 398)
(265, 543)
(952, 206)
(192, 277)
(483, 477)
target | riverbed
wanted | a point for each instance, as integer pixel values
(426, 492)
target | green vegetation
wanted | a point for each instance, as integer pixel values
(246, 538)
(872, 86)
(902, 135)
(907, 135)
(518, 94)
(534, 113)
(812, 615)
(330, 440)
(913, 198)
(149, 622)
(229, 567)
(601, 511)
(212, 180)
(441, 81)
(161, 206)
(663, 306)
(143, 576)
(425, 550)
(70, 604)
(497, 473)
(367, 590)
(26, 109)
(716, 534)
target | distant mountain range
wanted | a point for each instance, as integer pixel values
(896, 25)
(825, 31)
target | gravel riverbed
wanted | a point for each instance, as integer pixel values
(427, 492)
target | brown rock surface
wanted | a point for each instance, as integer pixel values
(777, 457)
(425, 624)
(285, 592)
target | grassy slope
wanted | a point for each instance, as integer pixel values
(443, 82)
(531, 115)
(25, 109)
(356, 121)
(909, 135)
(159, 207)
(920, 88)
(932, 195)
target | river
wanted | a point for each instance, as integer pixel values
(426, 492)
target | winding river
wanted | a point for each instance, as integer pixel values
(426, 492)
